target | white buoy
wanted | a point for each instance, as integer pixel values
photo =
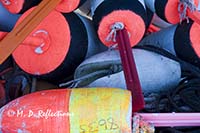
(156, 72)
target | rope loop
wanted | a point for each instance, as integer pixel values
(182, 9)
(113, 33)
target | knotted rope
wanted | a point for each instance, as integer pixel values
(182, 9)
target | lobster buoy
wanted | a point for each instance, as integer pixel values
(156, 72)
(181, 40)
(7, 19)
(65, 46)
(168, 10)
(20, 6)
(69, 111)
(131, 13)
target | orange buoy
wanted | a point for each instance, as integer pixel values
(56, 58)
(131, 13)
(181, 40)
(65, 45)
(20, 6)
(69, 111)
(69, 5)
(170, 10)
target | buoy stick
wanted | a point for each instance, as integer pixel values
(130, 71)
(171, 119)
(30, 40)
(18, 34)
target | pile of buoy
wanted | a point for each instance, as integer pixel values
(70, 73)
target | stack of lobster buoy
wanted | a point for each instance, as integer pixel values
(68, 75)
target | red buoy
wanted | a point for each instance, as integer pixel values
(169, 10)
(20, 6)
(56, 58)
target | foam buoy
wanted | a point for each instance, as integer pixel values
(67, 6)
(181, 40)
(170, 10)
(64, 47)
(7, 19)
(20, 6)
(157, 74)
(107, 12)
(69, 111)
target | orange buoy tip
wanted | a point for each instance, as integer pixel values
(67, 6)
(194, 38)
(134, 24)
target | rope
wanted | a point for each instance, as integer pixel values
(6, 2)
(90, 76)
(113, 33)
(182, 9)
(141, 126)
(185, 97)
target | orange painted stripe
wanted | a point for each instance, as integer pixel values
(152, 28)
(48, 112)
